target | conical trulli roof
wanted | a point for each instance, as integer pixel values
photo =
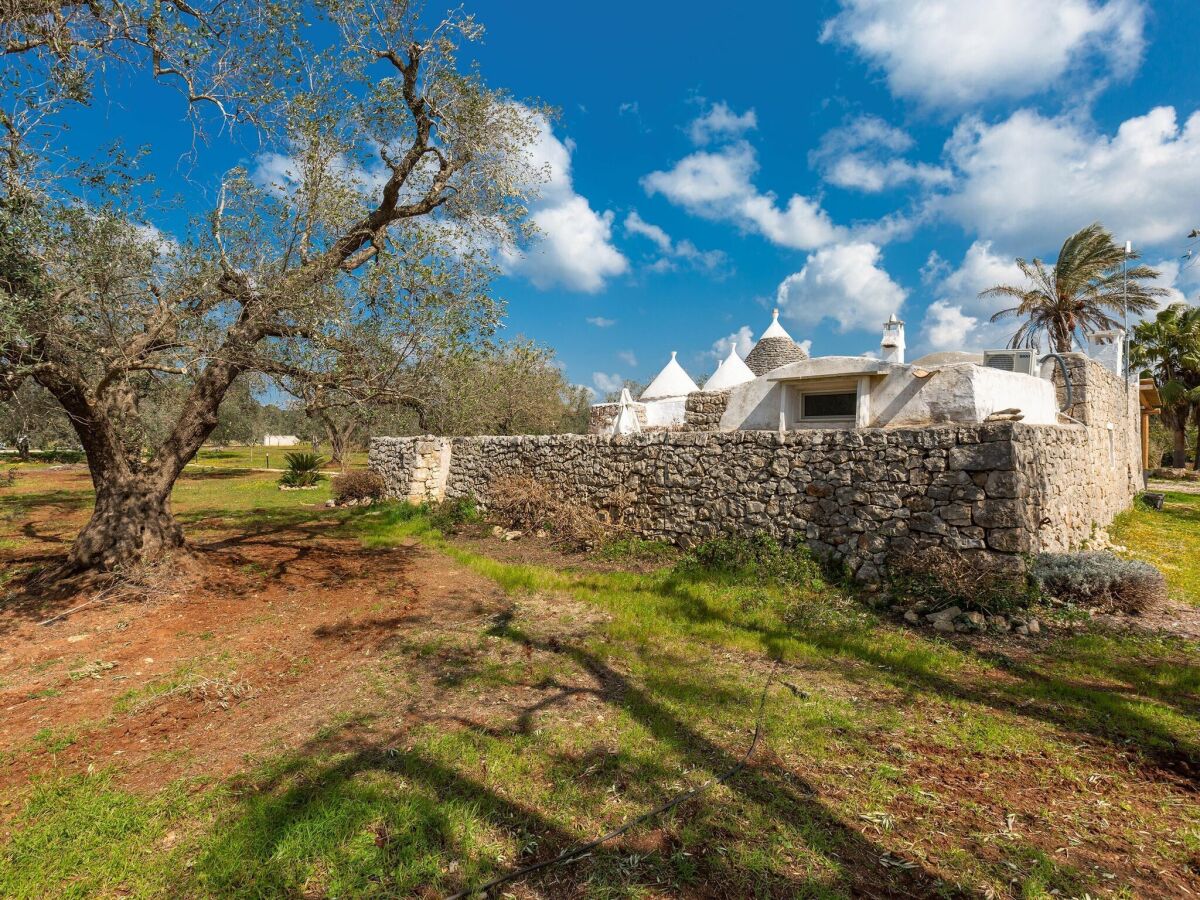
(774, 349)
(730, 373)
(672, 381)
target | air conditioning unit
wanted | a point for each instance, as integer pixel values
(1022, 361)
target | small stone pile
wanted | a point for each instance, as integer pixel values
(953, 619)
(331, 503)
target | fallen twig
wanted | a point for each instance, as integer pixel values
(99, 598)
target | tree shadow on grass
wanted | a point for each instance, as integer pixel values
(288, 546)
(61, 501)
(347, 785)
(1121, 718)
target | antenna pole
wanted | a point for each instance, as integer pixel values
(1125, 305)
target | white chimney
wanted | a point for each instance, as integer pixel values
(1107, 348)
(891, 348)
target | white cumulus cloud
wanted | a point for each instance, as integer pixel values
(601, 322)
(635, 224)
(574, 249)
(957, 319)
(606, 384)
(981, 268)
(718, 185)
(721, 122)
(954, 53)
(862, 155)
(947, 327)
(673, 253)
(845, 283)
(742, 340)
(1029, 181)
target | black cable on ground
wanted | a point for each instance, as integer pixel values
(573, 853)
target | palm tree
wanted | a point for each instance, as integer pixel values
(1169, 346)
(1079, 294)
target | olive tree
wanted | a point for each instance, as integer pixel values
(515, 387)
(396, 173)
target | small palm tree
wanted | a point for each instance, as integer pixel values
(303, 470)
(1169, 347)
(1079, 294)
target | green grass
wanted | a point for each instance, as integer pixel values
(647, 683)
(77, 836)
(257, 457)
(1169, 538)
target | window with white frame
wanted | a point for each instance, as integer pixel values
(828, 406)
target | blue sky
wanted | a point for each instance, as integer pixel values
(842, 160)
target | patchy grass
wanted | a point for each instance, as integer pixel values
(895, 763)
(259, 457)
(1168, 538)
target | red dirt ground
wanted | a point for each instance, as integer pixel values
(286, 618)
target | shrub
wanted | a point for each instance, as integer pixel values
(303, 470)
(450, 515)
(759, 558)
(357, 486)
(943, 578)
(60, 455)
(1099, 580)
(529, 505)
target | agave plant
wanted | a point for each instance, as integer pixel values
(303, 469)
(1083, 292)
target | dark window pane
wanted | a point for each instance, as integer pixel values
(822, 406)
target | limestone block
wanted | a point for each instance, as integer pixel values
(983, 457)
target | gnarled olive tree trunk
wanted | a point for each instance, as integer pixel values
(132, 522)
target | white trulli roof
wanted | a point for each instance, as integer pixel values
(730, 373)
(775, 329)
(672, 381)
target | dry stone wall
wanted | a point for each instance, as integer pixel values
(704, 410)
(416, 468)
(859, 495)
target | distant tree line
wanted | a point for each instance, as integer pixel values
(514, 387)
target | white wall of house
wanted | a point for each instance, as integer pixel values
(887, 395)
(962, 393)
(665, 413)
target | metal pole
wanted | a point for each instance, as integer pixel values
(1125, 304)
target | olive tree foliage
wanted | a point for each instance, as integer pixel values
(222, 57)
(398, 169)
(514, 388)
(32, 418)
(509, 387)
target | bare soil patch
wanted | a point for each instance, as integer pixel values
(272, 635)
(529, 549)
